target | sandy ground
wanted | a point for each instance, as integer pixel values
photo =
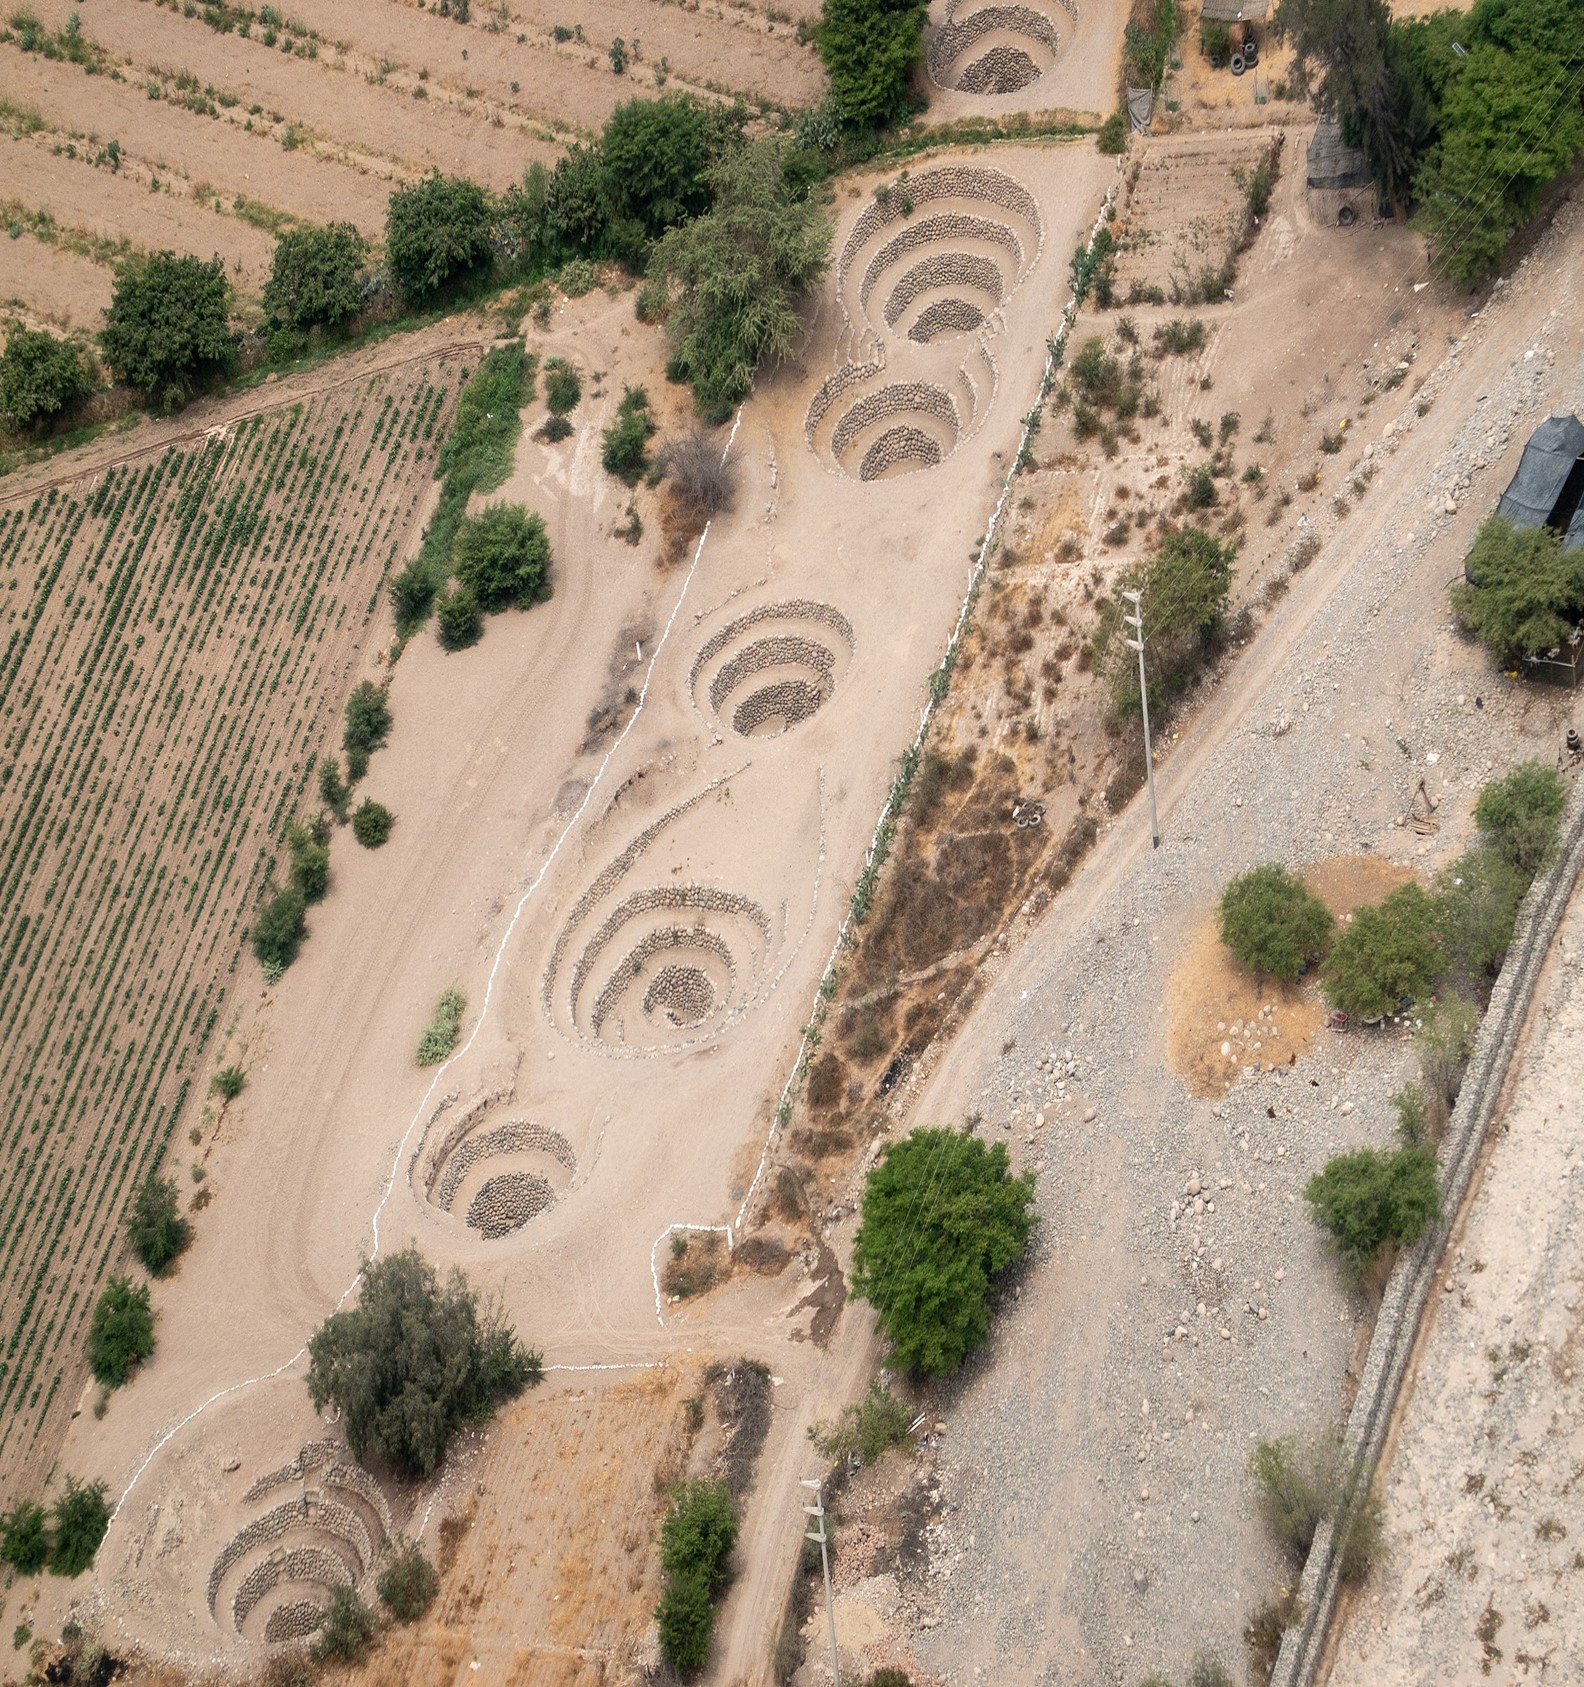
(1482, 1579)
(1081, 74)
(498, 797)
(47, 286)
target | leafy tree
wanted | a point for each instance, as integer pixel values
(155, 1227)
(461, 621)
(278, 930)
(503, 556)
(368, 724)
(437, 230)
(942, 1218)
(372, 823)
(1476, 908)
(563, 389)
(310, 862)
(877, 1422)
(624, 444)
(315, 276)
(23, 1543)
(166, 325)
(1273, 922)
(1387, 954)
(1367, 1199)
(334, 792)
(39, 376)
(412, 1361)
(345, 1630)
(870, 49)
(81, 1516)
(407, 1583)
(577, 204)
(729, 283)
(1522, 594)
(121, 1334)
(229, 1082)
(1519, 812)
(686, 1615)
(696, 1540)
(655, 157)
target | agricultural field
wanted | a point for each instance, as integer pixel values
(150, 125)
(179, 633)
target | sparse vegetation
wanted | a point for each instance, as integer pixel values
(407, 1582)
(1273, 922)
(878, 1422)
(942, 1218)
(1300, 1487)
(563, 389)
(626, 440)
(346, 1630)
(441, 1033)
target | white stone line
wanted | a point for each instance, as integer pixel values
(440, 1071)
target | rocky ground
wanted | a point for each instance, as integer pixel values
(1094, 1521)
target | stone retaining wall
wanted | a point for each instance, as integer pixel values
(904, 444)
(1402, 1306)
(946, 316)
(944, 269)
(940, 229)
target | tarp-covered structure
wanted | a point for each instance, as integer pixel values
(1234, 11)
(1332, 162)
(1548, 489)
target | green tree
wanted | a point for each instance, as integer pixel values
(121, 1334)
(437, 230)
(412, 1361)
(624, 447)
(503, 556)
(1519, 812)
(345, 1630)
(315, 275)
(942, 1218)
(334, 792)
(278, 930)
(1273, 922)
(563, 389)
(166, 326)
(461, 620)
(368, 724)
(696, 1539)
(729, 283)
(39, 376)
(81, 1516)
(577, 204)
(1522, 593)
(1477, 899)
(686, 1614)
(23, 1543)
(871, 49)
(155, 1227)
(1366, 1199)
(407, 1582)
(655, 157)
(372, 823)
(1386, 955)
(310, 862)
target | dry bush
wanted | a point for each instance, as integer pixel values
(696, 1265)
(826, 1081)
(763, 1255)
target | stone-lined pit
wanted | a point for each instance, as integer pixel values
(998, 49)
(766, 671)
(495, 1176)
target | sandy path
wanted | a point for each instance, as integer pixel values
(383, 126)
(79, 196)
(52, 286)
(1480, 1581)
(170, 138)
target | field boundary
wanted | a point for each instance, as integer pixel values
(1402, 1307)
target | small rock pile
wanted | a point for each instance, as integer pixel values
(683, 994)
(945, 316)
(295, 1620)
(1002, 69)
(905, 444)
(506, 1203)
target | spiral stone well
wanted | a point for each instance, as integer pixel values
(767, 671)
(998, 49)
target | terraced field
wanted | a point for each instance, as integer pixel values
(227, 122)
(177, 635)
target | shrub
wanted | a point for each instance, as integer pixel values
(1519, 813)
(1412, 1114)
(503, 556)
(412, 1361)
(371, 824)
(877, 1422)
(278, 930)
(1299, 1488)
(155, 1227)
(437, 231)
(1273, 922)
(1523, 594)
(1178, 337)
(407, 1583)
(345, 1630)
(625, 453)
(460, 618)
(554, 429)
(1387, 955)
(870, 49)
(39, 376)
(696, 1539)
(310, 863)
(1366, 1199)
(228, 1082)
(368, 724)
(315, 276)
(1112, 137)
(1477, 899)
(942, 1218)
(1202, 493)
(334, 792)
(23, 1543)
(563, 389)
(440, 1034)
(166, 325)
(1208, 1671)
(705, 479)
(121, 1334)
(890, 1678)
(729, 284)
(81, 1516)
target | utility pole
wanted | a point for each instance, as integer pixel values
(817, 1512)
(1136, 621)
